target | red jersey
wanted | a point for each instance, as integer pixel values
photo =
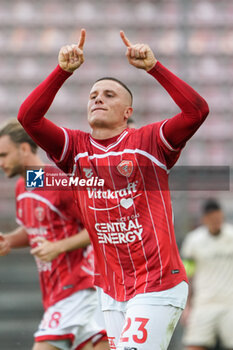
(52, 215)
(129, 218)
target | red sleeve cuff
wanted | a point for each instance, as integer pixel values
(154, 69)
(62, 72)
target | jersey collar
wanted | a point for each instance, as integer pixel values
(107, 144)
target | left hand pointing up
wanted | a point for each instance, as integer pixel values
(139, 55)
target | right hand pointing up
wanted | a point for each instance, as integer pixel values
(71, 56)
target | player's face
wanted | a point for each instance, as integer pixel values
(109, 105)
(9, 157)
(214, 221)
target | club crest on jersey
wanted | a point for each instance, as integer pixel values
(40, 213)
(125, 167)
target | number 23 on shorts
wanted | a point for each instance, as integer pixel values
(139, 335)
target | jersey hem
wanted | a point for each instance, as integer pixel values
(148, 290)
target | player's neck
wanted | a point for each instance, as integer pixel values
(103, 133)
(33, 162)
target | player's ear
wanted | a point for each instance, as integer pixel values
(24, 148)
(128, 112)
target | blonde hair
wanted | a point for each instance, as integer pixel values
(17, 134)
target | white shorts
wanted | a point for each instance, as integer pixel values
(146, 321)
(207, 322)
(70, 322)
(144, 327)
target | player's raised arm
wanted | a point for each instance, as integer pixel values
(139, 55)
(194, 109)
(32, 111)
(180, 128)
(71, 57)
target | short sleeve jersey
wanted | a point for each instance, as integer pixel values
(129, 217)
(53, 215)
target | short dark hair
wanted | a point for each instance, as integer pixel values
(211, 205)
(17, 134)
(119, 82)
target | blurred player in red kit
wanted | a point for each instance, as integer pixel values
(49, 221)
(141, 279)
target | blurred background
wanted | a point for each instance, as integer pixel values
(192, 38)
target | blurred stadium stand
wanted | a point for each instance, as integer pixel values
(192, 38)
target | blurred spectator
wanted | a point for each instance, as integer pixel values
(208, 257)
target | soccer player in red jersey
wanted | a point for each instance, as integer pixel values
(46, 218)
(141, 279)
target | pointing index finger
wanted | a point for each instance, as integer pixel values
(125, 39)
(82, 39)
